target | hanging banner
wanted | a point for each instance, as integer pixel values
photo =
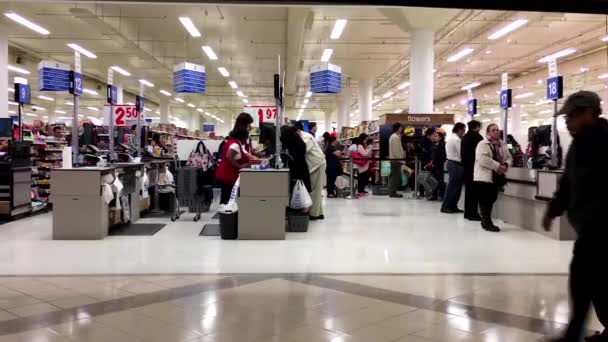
(189, 78)
(326, 78)
(261, 114)
(122, 115)
(53, 76)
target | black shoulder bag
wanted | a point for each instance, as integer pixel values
(499, 180)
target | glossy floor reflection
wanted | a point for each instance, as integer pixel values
(286, 308)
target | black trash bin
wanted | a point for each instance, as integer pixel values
(229, 225)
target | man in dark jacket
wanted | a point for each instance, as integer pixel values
(582, 193)
(467, 151)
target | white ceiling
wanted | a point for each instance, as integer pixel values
(148, 40)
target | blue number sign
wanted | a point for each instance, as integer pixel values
(506, 98)
(75, 83)
(112, 94)
(472, 107)
(139, 104)
(22, 93)
(555, 88)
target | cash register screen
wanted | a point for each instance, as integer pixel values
(6, 128)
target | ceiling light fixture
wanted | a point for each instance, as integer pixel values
(89, 91)
(93, 109)
(556, 55)
(605, 39)
(191, 105)
(240, 93)
(43, 97)
(179, 100)
(524, 95)
(488, 52)
(512, 26)
(146, 83)
(189, 26)
(338, 28)
(306, 101)
(27, 23)
(120, 70)
(82, 50)
(31, 114)
(403, 85)
(387, 95)
(603, 76)
(327, 55)
(68, 103)
(11, 90)
(18, 70)
(223, 71)
(245, 101)
(59, 112)
(199, 110)
(233, 84)
(210, 53)
(460, 54)
(38, 108)
(207, 113)
(584, 69)
(308, 94)
(12, 103)
(471, 86)
(164, 92)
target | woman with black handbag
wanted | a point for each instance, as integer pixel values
(492, 160)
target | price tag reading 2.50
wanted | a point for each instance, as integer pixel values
(124, 114)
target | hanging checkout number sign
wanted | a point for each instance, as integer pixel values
(122, 115)
(555, 83)
(506, 94)
(261, 114)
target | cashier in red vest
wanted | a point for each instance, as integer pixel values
(235, 155)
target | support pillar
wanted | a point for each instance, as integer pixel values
(4, 81)
(119, 94)
(327, 122)
(195, 121)
(344, 108)
(365, 100)
(164, 111)
(422, 58)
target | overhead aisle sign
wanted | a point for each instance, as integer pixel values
(53, 76)
(506, 94)
(555, 83)
(326, 78)
(189, 78)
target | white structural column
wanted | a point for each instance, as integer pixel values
(195, 121)
(344, 103)
(4, 81)
(327, 122)
(164, 111)
(421, 71)
(119, 94)
(365, 100)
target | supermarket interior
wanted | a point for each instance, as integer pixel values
(293, 171)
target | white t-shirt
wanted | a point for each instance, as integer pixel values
(235, 147)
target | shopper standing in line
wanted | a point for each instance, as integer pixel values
(455, 170)
(334, 166)
(312, 128)
(426, 147)
(492, 160)
(295, 147)
(315, 158)
(364, 149)
(437, 164)
(395, 151)
(582, 194)
(467, 152)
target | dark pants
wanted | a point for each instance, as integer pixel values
(488, 193)
(395, 178)
(454, 188)
(471, 200)
(332, 175)
(226, 190)
(588, 285)
(362, 181)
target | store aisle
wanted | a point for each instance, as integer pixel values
(372, 235)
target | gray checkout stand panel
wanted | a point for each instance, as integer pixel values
(524, 202)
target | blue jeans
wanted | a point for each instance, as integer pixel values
(454, 188)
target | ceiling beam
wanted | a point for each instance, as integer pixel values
(297, 19)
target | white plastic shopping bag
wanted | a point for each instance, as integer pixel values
(232, 205)
(342, 182)
(300, 199)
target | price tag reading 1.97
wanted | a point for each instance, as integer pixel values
(267, 113)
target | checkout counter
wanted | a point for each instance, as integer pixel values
(524, 202)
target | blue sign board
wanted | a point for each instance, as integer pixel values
(506, 98)
(22, 93)
(53, 76)
(189, 78)
(208, 128)
(112, 94)
(326, 78)
(472, 107)
(555, 88)
(139, 104)
(75, 83)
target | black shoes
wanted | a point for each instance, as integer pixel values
(396, 195)
(314, 218)
(452, 211)
(489, 226)
(473, 218)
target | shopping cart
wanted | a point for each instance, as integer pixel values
(189, 193)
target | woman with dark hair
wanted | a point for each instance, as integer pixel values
(296, 161)
(235, 156)
(492, 160)
(334, 166)
(437, 164)
(364, 150)
(325, 142)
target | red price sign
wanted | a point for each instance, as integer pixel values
(262, 113)
(122, 115)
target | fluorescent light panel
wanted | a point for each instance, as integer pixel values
(89, 91)
(59, 112)
(189, 26)
(18, 70)
(93, 109)
(471, 86)
(47, 98)
(403, 85)
(146, 83)
(210, 53)
(308, 94)
(223, 71)
(327, 55)
(460, 54)
(120, 70)
(82, 50)
(338, 28)
(191, 105)
(387, 95)
(164, 92)
(603, 76)
(240, 93)
(512, 26)
(233, 84)
(179, 100)
(27, 23)
(524, 95)
(557, 55)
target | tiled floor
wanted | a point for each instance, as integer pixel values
(286, 308)
(375, 234)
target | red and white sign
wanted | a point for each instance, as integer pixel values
(261, 114)
(122, 115)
